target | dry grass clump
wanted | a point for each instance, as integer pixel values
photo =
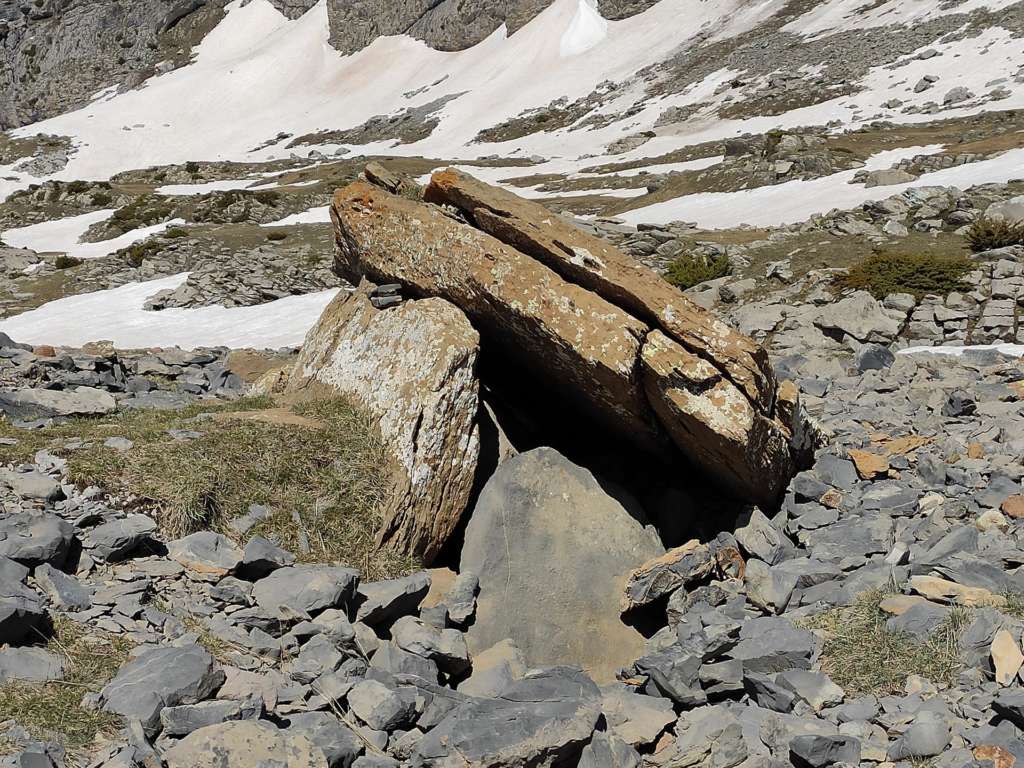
(862, 656)
(53, 710)
(323, 476)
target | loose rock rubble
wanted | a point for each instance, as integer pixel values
(917, 494)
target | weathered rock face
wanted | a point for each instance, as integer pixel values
(553, 552)
(447, 25)
(598, 266)
(413, 368)
(607, 335)
(579, 341)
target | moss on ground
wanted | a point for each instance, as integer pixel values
(862, 656)
(323, 475)
(882, 274)
(54, 710)
(688, 270)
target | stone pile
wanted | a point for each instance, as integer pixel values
(38, 384)
(603, 332)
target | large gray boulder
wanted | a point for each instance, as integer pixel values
(119, 538)
(31, 404)
(161, 677)
(544, 719)
(32, 539)
(554, 551)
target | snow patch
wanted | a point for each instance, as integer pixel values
(319, 215)
(587, 28)
(64, 235)
(117, 315)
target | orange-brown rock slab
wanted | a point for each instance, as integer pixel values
(711, 422)
(564, 334)
(600, 267)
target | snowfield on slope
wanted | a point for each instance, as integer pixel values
(117, 315)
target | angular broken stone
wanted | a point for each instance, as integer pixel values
(31, 664)
(64, 591)
(663, 575)
(32, 538)
(383, 602)
(546, 717)
(301, 591)
(119, 538)
(206, 552)
(1006, 657)
(161, 677)
(380, 707)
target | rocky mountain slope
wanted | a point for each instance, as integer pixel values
(526, 384)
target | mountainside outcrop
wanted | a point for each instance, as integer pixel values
(56, 56)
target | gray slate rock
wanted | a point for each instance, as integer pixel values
(33, 539)
(185, 718)
(561, 584)
(380, 707)
(608, 751)
(21, 611)
(36, 486)
(161, 677)
(543, 719)
(30, 664)
(64, 591)
(262, 557)
(383, 602)
(927, 736)
(302, 591)
(119, 538)
(339, 744)
(206, 552)
(34, 404)
(818, 751)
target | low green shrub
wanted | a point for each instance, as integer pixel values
(66, 262)
(689, 270)
(986, 234)
(882, 274)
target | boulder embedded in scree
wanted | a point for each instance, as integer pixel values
(560, 586)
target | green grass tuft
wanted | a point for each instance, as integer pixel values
(862, 656)
(882, 274)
